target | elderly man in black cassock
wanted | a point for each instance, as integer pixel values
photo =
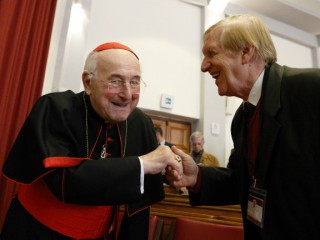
(81, 155)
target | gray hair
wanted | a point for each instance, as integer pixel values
(90, 66)
(196, 134)
(244, 30)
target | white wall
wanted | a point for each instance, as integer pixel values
(292, 54)
(167, 36)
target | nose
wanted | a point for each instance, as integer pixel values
(205, 65)
(125, 90)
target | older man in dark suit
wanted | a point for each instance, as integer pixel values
(274, 168)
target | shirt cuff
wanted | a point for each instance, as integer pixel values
(141, 177)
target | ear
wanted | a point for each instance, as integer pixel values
(247, 54)
(86, 83)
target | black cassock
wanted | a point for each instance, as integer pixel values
(65, 125)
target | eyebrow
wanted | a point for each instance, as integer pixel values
(122, 76)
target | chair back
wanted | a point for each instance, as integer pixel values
(188, 229)
(155, 226)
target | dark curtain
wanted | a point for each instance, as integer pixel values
(25, 32)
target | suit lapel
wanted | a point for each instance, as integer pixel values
(270, 105)
(238, 159)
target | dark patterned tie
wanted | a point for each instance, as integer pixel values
(252, 116)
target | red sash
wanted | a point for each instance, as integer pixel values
(76, 221)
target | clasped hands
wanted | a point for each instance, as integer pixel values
(181, 169)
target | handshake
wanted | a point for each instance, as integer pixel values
(181, 169)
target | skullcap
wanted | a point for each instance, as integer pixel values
(113, 45)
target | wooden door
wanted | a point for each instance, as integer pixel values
(179, 134)
(175, 132)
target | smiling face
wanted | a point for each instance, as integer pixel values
(115, 65)
(228, 68)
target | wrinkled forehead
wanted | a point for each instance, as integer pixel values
(212, 40)
(197, 140)
(117, 60)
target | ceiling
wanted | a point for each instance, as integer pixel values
(302, 14)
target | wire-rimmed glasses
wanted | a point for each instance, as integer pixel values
(118, 85)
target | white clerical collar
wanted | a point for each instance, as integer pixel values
(255, 93)
(162, 142)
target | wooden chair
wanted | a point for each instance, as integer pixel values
(155, 226)
(188, 229)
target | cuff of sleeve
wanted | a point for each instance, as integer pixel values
(196, 188)
(141, 176)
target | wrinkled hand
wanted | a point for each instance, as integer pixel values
(157, 160)
(190, 171)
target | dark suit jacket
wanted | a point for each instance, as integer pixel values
(288, 161)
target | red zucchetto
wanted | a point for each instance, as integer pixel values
(113, 45)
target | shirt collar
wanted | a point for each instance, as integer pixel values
(255, 93)
(197, 153)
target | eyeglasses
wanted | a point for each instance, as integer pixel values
(117, 85)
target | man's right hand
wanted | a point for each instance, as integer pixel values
(190, 171)
(154, 162)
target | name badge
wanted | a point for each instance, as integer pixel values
(256, 206)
